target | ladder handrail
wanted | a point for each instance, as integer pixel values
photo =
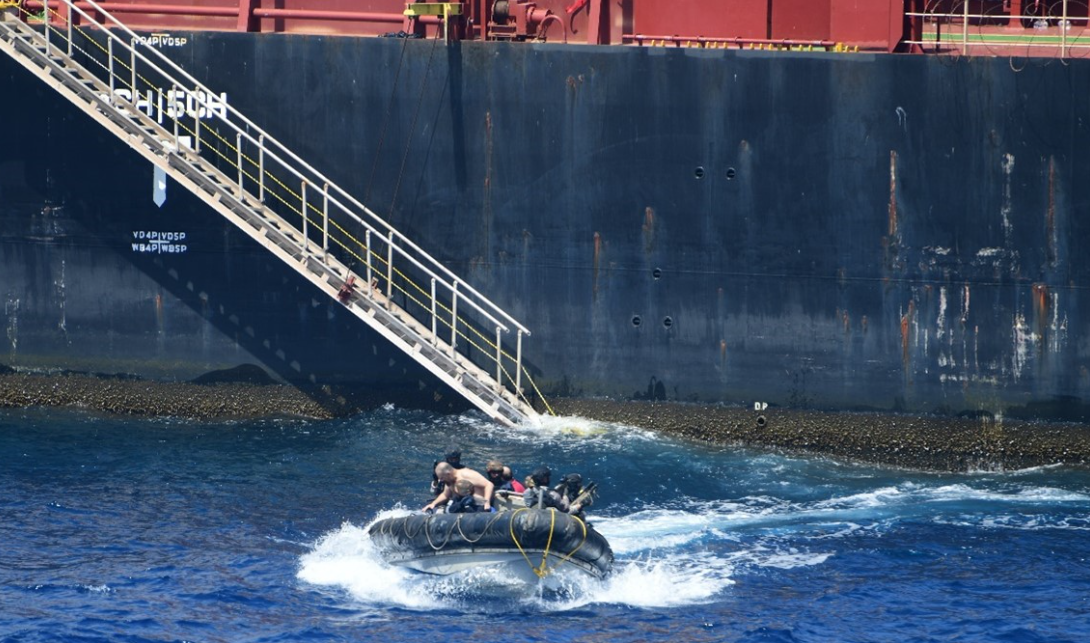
(133, 120)
(431, 274)
(265, 138)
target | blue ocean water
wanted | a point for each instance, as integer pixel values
(169, 530)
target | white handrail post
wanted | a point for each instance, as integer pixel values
(1063, 32)
(238, 146)
(172, 105)
(325, 218)
(110, 67)
(446, 24)
(261, 168)
(196, 127)
(45, 21)
(434, 314)
(499, 360)
(367, 255)
(965, 29)
(453, 317)
(390, 270)
(518, 362)
(132, 72)
(71, 12)
(303, 208)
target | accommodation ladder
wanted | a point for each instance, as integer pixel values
(295, 212)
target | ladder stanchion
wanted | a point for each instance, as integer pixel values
(304, 211)
(434, 314)
(196, 125)
(238, 146)
(453, 318)
(71, 12)
(390, 270)
(261, 168)
(172, 111)
(367, 254)
(132, 72)
(518, 362)
(499, 360)
(325, 219)
(45, 21)
(110, 67)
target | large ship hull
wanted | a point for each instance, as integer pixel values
(808, 230)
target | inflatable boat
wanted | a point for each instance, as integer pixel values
(538, 541)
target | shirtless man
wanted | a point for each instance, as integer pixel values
(445, 472)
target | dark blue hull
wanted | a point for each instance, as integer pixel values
(826, 231)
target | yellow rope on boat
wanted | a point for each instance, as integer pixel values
(568, 556)
(544, 570)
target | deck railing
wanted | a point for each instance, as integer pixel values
(1056, 29)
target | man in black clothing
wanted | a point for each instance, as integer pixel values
(538, 495)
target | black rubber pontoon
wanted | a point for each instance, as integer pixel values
(542, 540)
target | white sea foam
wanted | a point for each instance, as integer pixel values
(658, 529)
(663, 582)
(1020, 494)
(562, 431)
(916, 494)
(346, 560)
(690, 521)
(1019, 522)
(1016, 472)
(766, 555)
(721, 521)
(882, 497)
(584, 432)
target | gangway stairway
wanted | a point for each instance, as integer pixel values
(262, 187)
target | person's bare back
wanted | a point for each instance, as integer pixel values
(481, 485)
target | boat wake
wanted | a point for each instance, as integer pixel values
(684, 550)
(345, 559)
